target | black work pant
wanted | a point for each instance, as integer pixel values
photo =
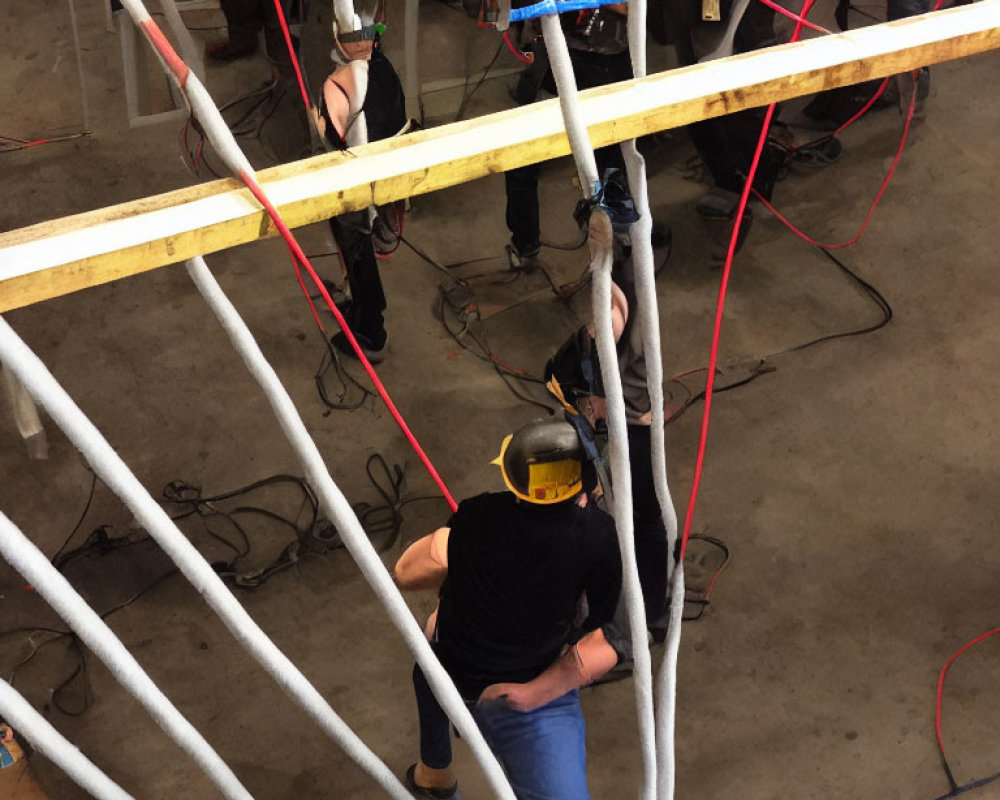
(352, 231)
(245, 18)
(590, 69)
(435, 729)
(647, 520)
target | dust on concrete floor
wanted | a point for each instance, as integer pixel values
(855, 485)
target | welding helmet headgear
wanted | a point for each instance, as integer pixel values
(355, 22)
(542, 462)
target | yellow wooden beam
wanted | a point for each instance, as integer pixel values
(66, 255)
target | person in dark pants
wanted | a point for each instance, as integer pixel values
(726, 144)
(511, 567)
(245, 19)
(384, 109)
(573, 376)
(598, 49)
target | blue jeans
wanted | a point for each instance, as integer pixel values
(543, 752)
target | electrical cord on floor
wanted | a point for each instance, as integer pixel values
(702, 601)
(968, 787)
(79, 522)
(459, 301)
(195, 157)
(877, 297)
(331, 361)
(8, 144)
(79, 670)
(472, 328)
(467, 95)
(567, 246)
(205, 508)
(955, 788)
(386, 520)
(762, 367)
(316, 535)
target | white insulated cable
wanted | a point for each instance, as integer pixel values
(22, 716)
(576, 131)
(600, 264)
(666, 700)
(649, 319)
(622, 479)
(645, 273)
(338, 509)
(202, 105)
(225, 145)
(115, 474)
(29, 561)
(357, 129)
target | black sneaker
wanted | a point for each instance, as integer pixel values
(374, 351)
(428, 792)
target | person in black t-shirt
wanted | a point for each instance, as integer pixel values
(512, 567)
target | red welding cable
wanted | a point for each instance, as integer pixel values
(720, 306)
(525, 58)
(291, 52)
(21, 144)
(302, 259)
(166, 50)
(940, 692)
(864, 110)
(798, 18)
(160, 42)
(874, 203)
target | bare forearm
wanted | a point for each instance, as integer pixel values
(586, 661)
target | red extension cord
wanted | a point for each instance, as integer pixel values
(181, 71)
(720, 306)
(940, 692)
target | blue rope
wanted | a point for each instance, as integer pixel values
(555, 7)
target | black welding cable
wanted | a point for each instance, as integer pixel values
(83, 516)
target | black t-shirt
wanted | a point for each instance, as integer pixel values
(384, 106)
(515, 573)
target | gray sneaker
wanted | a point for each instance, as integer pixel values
(521, 262)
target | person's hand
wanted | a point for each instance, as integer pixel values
(599, 232)
(517, 696)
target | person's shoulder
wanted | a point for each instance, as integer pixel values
(380, 61)
(596, 517)
(485, 503)
(597, 524)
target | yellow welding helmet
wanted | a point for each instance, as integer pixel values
(542, 462)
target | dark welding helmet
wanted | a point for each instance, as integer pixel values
(574, 371)
(542, 462)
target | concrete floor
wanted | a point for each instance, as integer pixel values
(855, 484)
